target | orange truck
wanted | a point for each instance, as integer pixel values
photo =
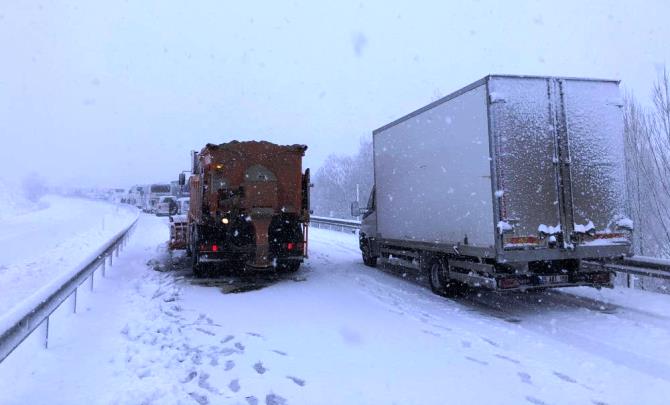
(249, 208)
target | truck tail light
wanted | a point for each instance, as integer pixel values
(215, 248)
(611, 235)
(520, 241)
(605, 237)
(209, 248)
(508, 283)
(601, 278)
(291, 246)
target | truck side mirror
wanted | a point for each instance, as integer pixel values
(355, 209)
(182, 179)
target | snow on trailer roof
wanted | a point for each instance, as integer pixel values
(237, 144)
(476, 84)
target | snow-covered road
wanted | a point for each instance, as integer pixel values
(337, 332)
(38, 246)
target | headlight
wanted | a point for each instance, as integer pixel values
(225, 221)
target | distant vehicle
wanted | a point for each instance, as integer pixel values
(183, 205)
(167, 205)
(249, 207)
(178, 190)
(118, 195)
(135, 196)
(152, 193)
(512, 182)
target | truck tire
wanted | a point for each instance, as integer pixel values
(368, 259)
(198, 268)
(198, 271)
(440, 283)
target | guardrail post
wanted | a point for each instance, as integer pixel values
(46, 333)
(104, 262)
(111, 260)
(117, 250)
(74, 302)
(92, 278)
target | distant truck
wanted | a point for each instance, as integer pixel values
(249, 207)
(167, 206)
(513, 182)
(183, 204)
(153, 193)
(135, 196)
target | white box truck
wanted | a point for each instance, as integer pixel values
(513, 182)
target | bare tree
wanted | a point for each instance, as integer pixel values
(647, 134)
(337, 181)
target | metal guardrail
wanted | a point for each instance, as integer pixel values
(342, 225)
(637, 265)
(642, 266)
(37, 312)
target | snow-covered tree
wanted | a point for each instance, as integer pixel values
(647, 134)
(335, 182)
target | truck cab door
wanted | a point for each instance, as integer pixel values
(369, 218)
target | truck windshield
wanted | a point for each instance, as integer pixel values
(160, 188)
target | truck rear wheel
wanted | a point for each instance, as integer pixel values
(198, 268)
(440, 283)
(368, 259)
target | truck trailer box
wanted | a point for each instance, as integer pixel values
(509, 168)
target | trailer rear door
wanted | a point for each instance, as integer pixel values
(525, 147)
(595, 130)
(558, 150)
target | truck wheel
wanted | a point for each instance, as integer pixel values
(368, 259)
(198, 271)
(198, 268)
(440, 283)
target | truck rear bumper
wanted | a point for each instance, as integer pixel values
(207, 258)
(219, 257)
(511, 282)
(579, 252)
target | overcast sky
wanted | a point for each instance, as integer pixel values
(114, 93)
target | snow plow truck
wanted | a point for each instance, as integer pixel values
(249, 208)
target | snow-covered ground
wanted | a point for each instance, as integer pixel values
(41, 242)
(336, 332)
